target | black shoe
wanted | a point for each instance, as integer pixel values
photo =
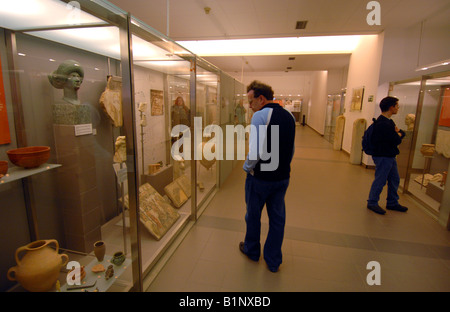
(273, 270)
(377, 209)
(241, 248)
(397, 207)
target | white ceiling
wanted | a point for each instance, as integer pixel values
(232, 19)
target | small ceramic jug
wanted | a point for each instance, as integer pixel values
(99, 250)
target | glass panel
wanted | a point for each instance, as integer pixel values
(227, 99)
(61, 98)
(161, 77)
(334, 109)
(431, 156)
(408, 95)
(207, 114)
(241, 117)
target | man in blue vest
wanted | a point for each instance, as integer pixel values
(268, 165)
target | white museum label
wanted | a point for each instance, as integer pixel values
(83, 129)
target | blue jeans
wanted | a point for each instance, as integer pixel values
(257, 193)
(385, 171)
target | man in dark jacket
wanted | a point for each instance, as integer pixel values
(268, 167)
(386, 137)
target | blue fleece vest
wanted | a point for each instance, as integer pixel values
(267, 159)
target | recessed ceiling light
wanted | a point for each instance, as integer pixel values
(274, 46)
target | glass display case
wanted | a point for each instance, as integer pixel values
(115, 103)
(424, 157)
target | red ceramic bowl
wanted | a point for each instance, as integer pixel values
(3, 167)
(29, 157)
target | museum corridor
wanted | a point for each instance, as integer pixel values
(330, 236)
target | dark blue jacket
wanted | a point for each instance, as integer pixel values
(385, 139)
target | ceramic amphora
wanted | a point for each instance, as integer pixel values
(38, 269)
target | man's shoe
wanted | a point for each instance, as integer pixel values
(273, 270)
(377, 209)
(241, 248)
(397, 207)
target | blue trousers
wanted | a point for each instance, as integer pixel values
(386, 171)
(257, 194)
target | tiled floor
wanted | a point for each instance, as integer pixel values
(330, 236)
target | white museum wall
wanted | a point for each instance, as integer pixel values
(364, 72)
(405, 49)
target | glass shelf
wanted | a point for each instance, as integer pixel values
(17, 173)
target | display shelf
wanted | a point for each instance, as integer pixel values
(17, 173)
(97, 280)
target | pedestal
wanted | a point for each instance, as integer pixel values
(78, 195)
(359, 126)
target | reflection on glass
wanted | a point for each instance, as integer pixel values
(207, 113)
(334, 109)
(161, 89)
(430, 162)
(407, 93)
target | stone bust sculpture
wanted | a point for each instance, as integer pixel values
(69, 77)
(409, 121)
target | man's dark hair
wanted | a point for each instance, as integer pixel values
(260, 88)
(388, 102)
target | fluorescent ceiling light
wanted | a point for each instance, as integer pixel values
(437, 64)
(29, 14)
(273, 46)
(105, 41)
(144, 51)
(101, 40)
